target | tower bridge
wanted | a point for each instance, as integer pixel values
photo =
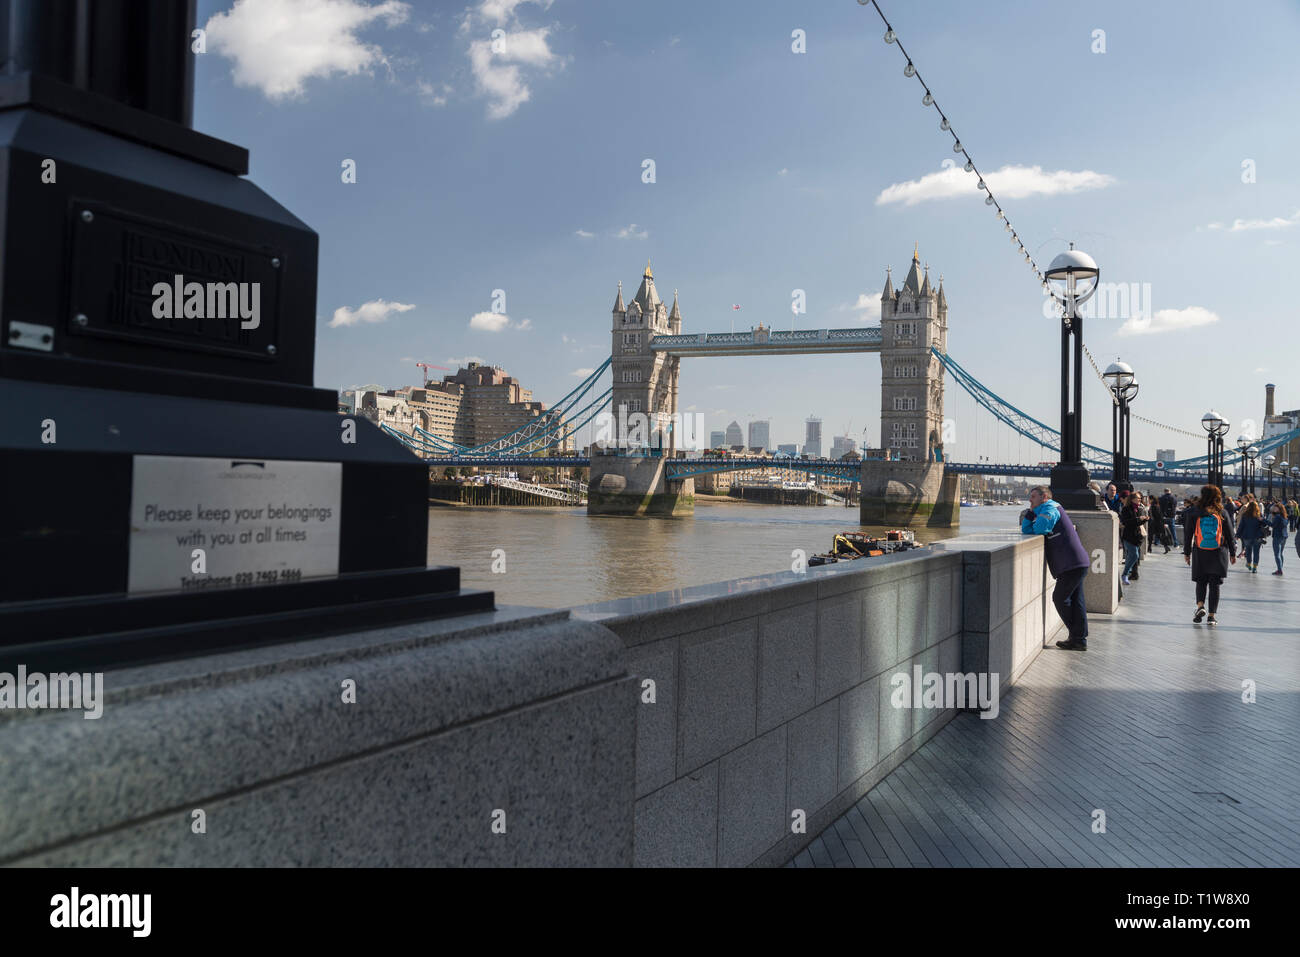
(646, 349)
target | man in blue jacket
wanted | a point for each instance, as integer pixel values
(1066, 560)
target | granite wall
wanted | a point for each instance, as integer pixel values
(764, 698)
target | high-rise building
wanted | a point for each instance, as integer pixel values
(1165, 455)
(734, 436)
(913, 321)
(1277, 424)
(760, 434)
(717, 439)
(812, 443)
(841, 446)
(791, 449)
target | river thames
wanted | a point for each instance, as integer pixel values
(556, 558)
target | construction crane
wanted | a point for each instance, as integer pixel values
(426, 366)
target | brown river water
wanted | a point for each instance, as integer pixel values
(560, 557)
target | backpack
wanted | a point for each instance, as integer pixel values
(1209, 533)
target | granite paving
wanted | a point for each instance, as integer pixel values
(1165, 744)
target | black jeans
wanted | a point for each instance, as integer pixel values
(1213, 588)
(1067, 596)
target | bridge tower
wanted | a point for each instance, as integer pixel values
(911, 487)
(625, 479)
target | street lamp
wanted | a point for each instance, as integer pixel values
(1252, 453)
(1268, 464)
(1070, 476)
(1295, 476)
(1210, 422)
(1243, 443)
(1123, 385)
(1282, 468)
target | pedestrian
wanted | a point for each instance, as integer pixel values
(1189, 512)
(1208, 549)
(1293, 513)
(1250, 530)
(1132, 529)
(1066, 560)
(1157, 530)
(1112, 498)
(1277, 527)
(1168, 508)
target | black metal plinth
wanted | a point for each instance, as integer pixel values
(1070, 488)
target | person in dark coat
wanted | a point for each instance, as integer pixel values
(1112, 498)
(1168, 509)
(1276, 519)
(1209, 548)
(1250, 532)
(1156, 528)
(1132, 525)
(1067, 560)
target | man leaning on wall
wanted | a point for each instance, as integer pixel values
(1067, 560)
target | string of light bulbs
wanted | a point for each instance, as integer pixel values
(945, 124)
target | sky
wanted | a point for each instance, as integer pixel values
(501, 145)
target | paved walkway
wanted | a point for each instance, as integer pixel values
(1148, 725)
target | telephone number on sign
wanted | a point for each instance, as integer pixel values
(242, 579)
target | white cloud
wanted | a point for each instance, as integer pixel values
(584, 234)
(867, 307)
(581, 373)
(498, 12)
(782, 172)
(377, 310)
(1168, 320)
(497, 322)
(1261, 369)
(435, 94)
(632, 231)
(1242, 225)
(496, 68)
(466, 360)
(1010, 182)
(276, 45)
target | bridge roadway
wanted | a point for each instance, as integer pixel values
(834, 468)
(1147, 725)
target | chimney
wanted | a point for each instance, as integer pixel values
(1268, 400)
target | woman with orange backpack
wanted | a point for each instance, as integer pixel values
(1208, 549)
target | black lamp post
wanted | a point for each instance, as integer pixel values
(1295, 476)
(1123, 385)
(1268, 464)
(1252, 454)
(1283, 469)
(1243, 443)
(1069, 479)
(1216, 427)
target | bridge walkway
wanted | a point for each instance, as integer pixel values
(1147, 725)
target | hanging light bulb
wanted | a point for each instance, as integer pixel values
(981, 185)
(890, 36)
(909, 70)
(1001, 214)
(927, 99)
(945, 125)
(956, 147)
(988, 200)
(970, 166)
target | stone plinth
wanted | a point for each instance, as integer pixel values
(1099, 535)
(637, 486)
(400, 747)
(908, 493)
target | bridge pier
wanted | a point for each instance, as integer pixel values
(908, 493)
(637, 486)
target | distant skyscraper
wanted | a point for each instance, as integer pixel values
(841, 446)
(734, 435)
(760, 434)
(717, 439)
(1165, 455)
(812, 443)
(791, 449)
